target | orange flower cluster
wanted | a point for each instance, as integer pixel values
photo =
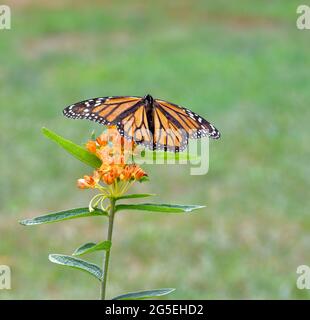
(113, 151)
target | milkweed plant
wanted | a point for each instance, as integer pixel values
(114, 172)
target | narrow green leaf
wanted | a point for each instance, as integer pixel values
(63, 215)
(75, 263)
(135, 195)
(169, 208)
(77, 151)
(144, 294)
(91, 247)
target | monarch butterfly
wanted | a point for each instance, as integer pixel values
(154, 123)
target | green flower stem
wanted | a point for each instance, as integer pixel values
(107, 254)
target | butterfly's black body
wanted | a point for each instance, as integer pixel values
(148, 100)
(155, 123)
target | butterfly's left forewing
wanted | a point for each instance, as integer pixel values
(105, 110)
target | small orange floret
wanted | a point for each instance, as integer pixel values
(126, 174)
(89, 181)
(102, 140)
(110, 176)
(107, 178)
(91, 146)
(86, 182)
(139, 173)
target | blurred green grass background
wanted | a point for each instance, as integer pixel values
(241, 64)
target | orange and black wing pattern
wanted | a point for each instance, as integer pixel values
(154, 123)
(136, 125)
(106, 110)
(174, 125)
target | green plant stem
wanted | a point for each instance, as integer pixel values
(107, 254)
